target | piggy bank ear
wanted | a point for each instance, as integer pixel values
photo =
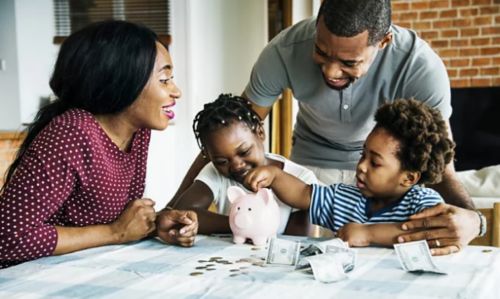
(234, 192)
(265, 194)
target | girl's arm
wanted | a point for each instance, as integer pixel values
(288, 188)
(198, 197)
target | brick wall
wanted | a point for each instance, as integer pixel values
(9, 144)
(465, 34)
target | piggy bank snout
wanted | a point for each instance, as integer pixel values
(242, 220)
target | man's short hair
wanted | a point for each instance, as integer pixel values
(347, 18)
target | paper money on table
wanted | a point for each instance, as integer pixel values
(281, 252)
(327, 267)
(416, 257)
(329, 261)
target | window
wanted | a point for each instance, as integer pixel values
(72, 15)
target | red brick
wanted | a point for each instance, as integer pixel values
(452, 73)
(481, 82)
(439, 44)
(428, 35)
(490, 51)
(496, 40)
(460, 43)
(449, 33)
(489, 10)
(467, 12)
(481, 61)
(481, 2)
(468, 72)
(409, 15)
(404, 24)
(422, 5)
(455, 3)
(439, 4)
(450, 13)
(421, 26)
(448, 52)
(461, 22)
(486, 20)
(469, 52)
(481, 41)
(460, 62)
(496, 60)
(424, 15)
(400, 5)
(469, 32)
(442, 24)
(496, 81)
(460, 83)
(490, 30)
(490, 71)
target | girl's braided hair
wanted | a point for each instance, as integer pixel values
(423, 137)
(222, 112)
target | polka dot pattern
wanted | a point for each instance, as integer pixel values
(72, 175)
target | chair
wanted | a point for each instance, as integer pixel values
(492, 237)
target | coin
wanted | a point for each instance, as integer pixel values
(202, 261)
(201, 267)
(196, 273)
(487, 250)
(255, 248)
(234, 270)
(210, 269)
(234, 274)
(216, 258)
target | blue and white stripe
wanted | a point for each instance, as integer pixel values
(335, 205)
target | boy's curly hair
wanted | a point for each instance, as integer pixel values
(222, 112)
(423, 137)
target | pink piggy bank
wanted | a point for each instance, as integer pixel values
(253, 216)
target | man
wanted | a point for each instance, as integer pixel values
(341, 67)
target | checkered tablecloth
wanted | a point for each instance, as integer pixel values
(151, 269)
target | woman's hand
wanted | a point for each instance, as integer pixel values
(446, 228)
(355, 234)
(177, 227)
(136, 221)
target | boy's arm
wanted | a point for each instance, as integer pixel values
(198, 197)
(360, 235)
(288, 188)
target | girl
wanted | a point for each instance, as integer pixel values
(78, 178)
(408, 146)
(231, 136)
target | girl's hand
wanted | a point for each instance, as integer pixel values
(260, 177)
(177, 227)
(356, 234)
(136, 221)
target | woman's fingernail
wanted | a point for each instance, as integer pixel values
(401, 240)
(404, 227)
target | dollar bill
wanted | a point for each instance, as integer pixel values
(281, 252)
(326, 267)
(416, 257)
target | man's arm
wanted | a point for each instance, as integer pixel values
(260, 110)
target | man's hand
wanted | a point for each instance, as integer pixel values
(446, 228)
(355, 234)
(177, 227)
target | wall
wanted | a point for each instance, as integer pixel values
(10, 115)
(214, 46)
(465, 33)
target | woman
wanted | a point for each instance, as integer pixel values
(78, 178)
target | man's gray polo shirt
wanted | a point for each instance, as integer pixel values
(332, 125)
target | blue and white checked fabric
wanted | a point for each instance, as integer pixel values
(151, 269)
(335, 205)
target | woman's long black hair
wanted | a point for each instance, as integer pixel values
(101, 68)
